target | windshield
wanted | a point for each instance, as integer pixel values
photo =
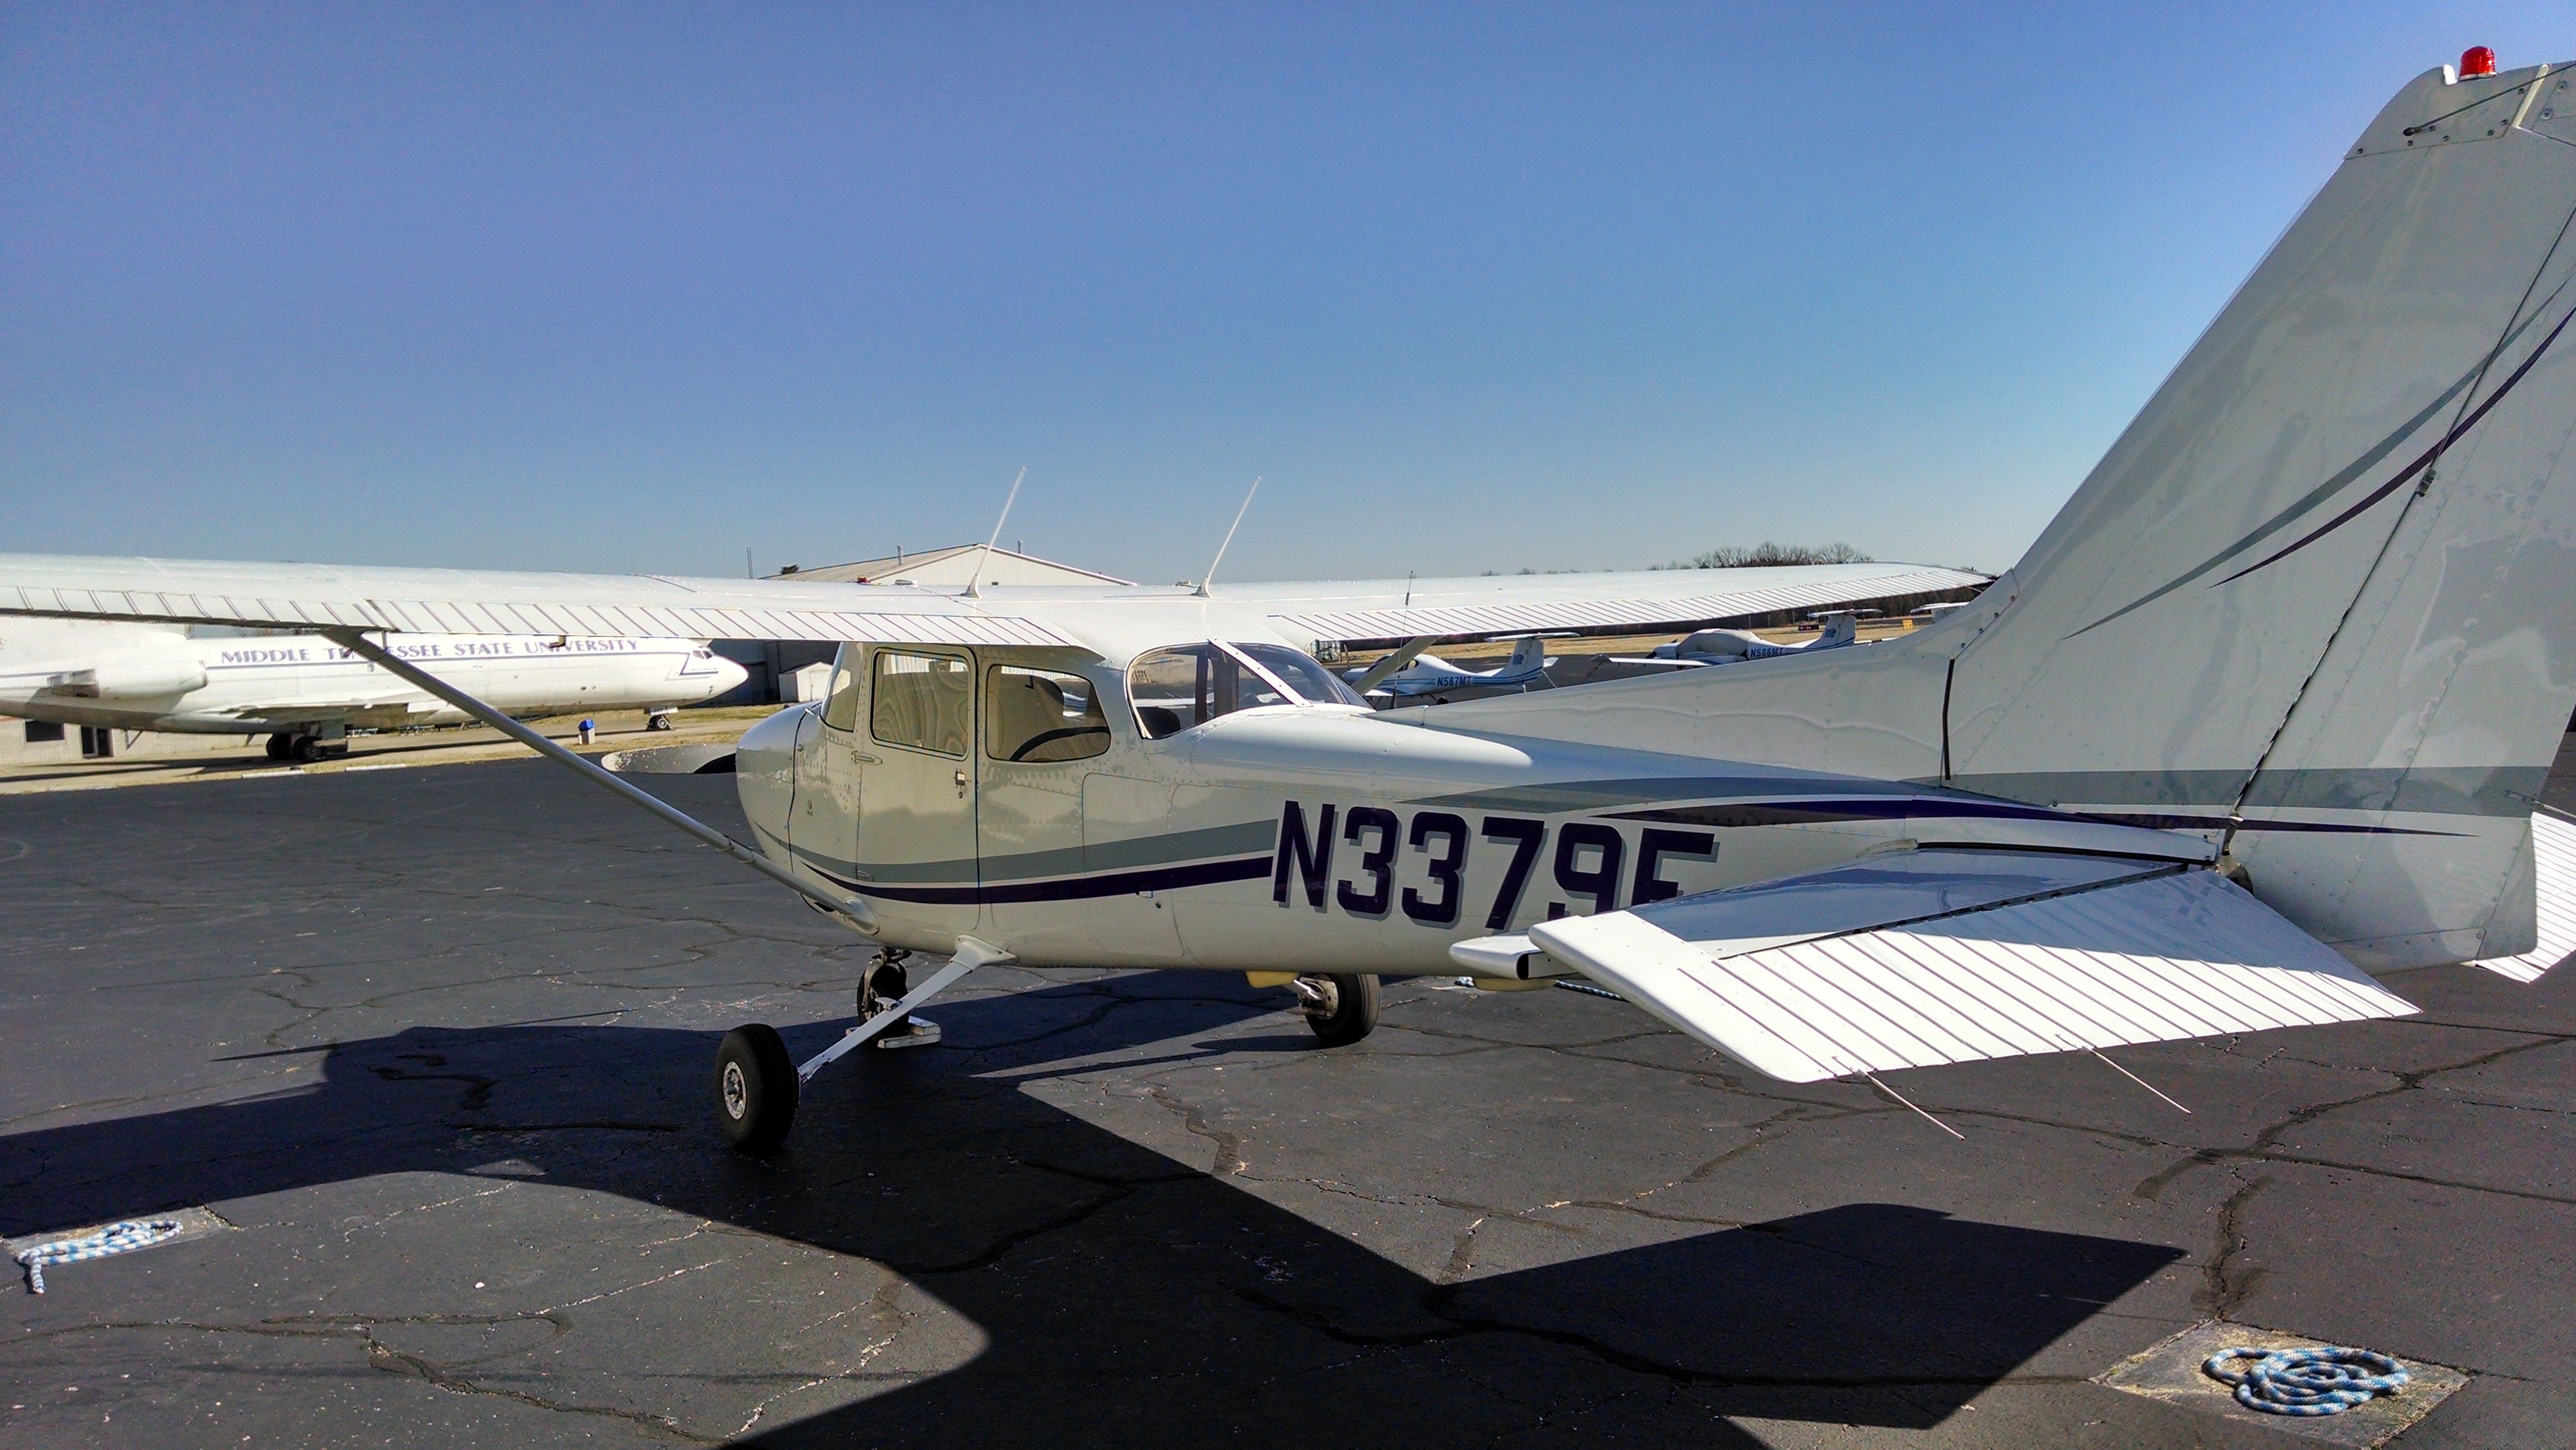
(1299, 672)
(1174, 689)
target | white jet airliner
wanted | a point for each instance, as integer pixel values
(2264, 711)
(305, 693)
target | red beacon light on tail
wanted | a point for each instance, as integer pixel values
(2476, 61)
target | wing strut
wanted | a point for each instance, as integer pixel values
(855, 911)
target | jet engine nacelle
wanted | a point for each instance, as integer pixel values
(129, 677)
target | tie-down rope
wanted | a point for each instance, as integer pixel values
(2325, 1381)
(116, 1238)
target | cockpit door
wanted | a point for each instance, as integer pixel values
(1047, 734)
(823, 819)
(915, 848)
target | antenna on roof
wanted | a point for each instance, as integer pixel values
(1210, 577)
(975, 582)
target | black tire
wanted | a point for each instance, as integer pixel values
(755, 1088)
(1348, 1012)
(305, 748)
(279, 745)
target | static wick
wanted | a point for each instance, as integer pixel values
(2142, 1082)
(1918, 1112)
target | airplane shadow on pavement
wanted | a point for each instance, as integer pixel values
(1125, 1297)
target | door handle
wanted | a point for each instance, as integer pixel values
(961, 785)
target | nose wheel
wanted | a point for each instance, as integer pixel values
(755, 1088)
(1341, 1007)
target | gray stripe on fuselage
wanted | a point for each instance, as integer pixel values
(1241, 839)
(2432, 790)
(1592, 795)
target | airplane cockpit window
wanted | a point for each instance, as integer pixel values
(1040, 716)
(1174, 689)
(924, 702)
(841, 704)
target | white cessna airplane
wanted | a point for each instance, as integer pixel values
(1407, 672)
(1727, 646)
(305, 693)
(2264, 710)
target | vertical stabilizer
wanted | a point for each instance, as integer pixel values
(2321, 597)
(2318, 601)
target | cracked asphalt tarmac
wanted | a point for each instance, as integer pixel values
(436, 1046)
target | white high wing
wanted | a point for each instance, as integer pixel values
(2265, 709)
(305, 693)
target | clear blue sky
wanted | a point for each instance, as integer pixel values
(637, 286)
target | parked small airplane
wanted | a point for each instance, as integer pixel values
(1407, 672)
(1728, 646)
(2266, 709)
(305, 693)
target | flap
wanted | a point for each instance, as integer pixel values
(2100, 953)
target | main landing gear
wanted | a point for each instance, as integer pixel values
(1341, 1007)
(755, 1088)
(300, 746)
(658, 719)
(757, 1082)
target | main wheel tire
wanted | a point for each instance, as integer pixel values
(755, 1088)
(280, 745)
(1348, 1011)
(305, 748)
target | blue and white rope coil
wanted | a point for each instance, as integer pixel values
(116, 1238)
(2323, 1381)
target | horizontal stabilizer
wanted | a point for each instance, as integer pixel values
(1943, 956)
(2553, 861)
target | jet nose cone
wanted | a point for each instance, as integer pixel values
(729, 673)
